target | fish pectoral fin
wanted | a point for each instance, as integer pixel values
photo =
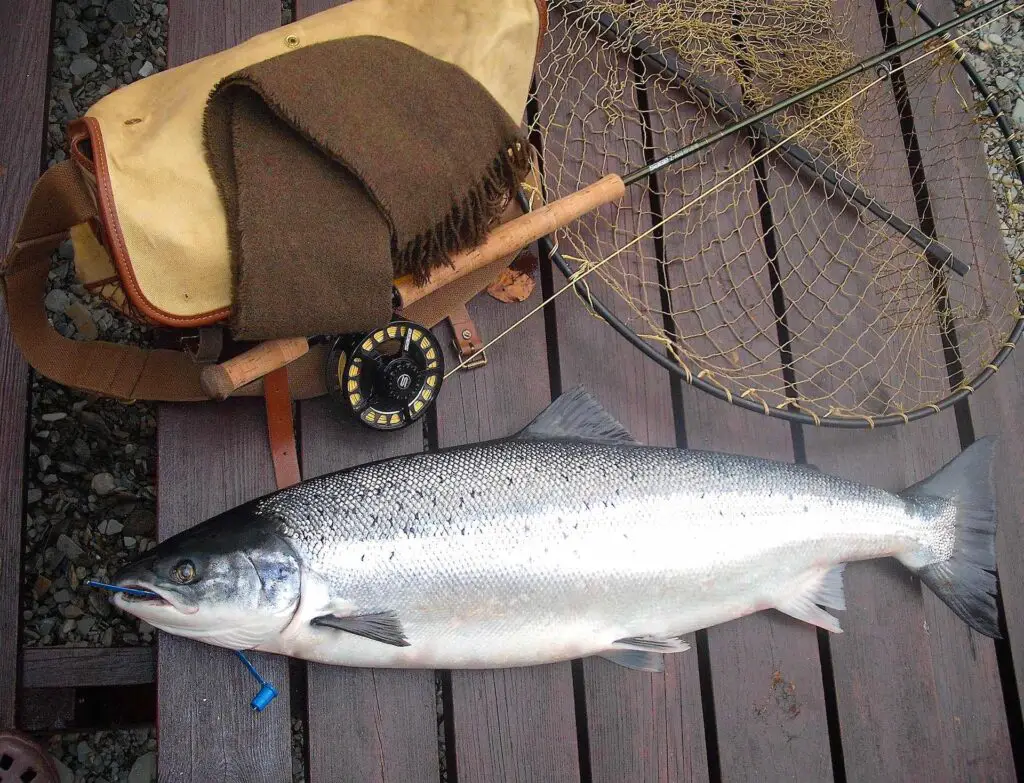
(641, 660)
(826, 589)
(382, 627)
(652, 644)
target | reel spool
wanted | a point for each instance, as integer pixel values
(389, 378)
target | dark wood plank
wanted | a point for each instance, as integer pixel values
(364, 724)
(73, 667)
(507, 724)
(640, 725)
(213, 457)
(23, 63)
(887, 671)
(961, 200)
(765, 675)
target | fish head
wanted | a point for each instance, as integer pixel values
(233, 581)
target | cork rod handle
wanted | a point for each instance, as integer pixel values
(514, 235)
(219, 381)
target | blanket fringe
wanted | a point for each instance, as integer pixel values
(470, 218)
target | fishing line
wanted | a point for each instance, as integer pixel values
(587, 268)
(267, 693)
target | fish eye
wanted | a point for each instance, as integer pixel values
(184, 572)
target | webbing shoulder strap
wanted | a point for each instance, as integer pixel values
(60, 200)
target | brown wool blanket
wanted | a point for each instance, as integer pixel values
(343, 165)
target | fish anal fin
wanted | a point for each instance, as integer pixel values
(824, 588)
(641, 660)
(576, 414)
(384, 627)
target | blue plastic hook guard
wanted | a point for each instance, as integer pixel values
(267, 691)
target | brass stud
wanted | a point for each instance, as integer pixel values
(291, 41)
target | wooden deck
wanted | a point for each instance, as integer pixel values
(908, 692)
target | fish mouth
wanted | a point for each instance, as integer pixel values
(157, 598)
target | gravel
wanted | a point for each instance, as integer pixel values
(122, 756)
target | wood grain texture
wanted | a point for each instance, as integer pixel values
(765, 675)
(364, 724)
(213, 457)
(888, 672)
(23, 68)
(509, 725)
(966, 218)
(74, 667)
(640, 725)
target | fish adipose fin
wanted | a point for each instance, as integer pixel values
(826, 590)
(644, 653)
(576, 414)
(966, 582)
(382, 627)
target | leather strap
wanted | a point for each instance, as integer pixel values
(281, 428)
(60, 199)
(467, 337)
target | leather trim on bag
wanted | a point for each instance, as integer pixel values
(115, 239)
(542, 17)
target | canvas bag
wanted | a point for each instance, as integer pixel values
(139, 202)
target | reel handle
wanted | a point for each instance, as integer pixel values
(514, 235)
(219, 381)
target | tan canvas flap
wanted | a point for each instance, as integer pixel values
(165, 224)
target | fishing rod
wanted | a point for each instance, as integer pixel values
(221, 380)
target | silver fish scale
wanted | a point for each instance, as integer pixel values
(574, 531)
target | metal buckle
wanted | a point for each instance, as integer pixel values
(479, 358)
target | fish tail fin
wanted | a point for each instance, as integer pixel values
(966, 581)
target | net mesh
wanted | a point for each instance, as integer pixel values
(751, 270)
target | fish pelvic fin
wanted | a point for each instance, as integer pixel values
(824, 589)
(577, 415)
(967, 581)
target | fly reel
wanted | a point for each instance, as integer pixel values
(389, 378)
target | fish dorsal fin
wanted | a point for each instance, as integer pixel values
(576, 414)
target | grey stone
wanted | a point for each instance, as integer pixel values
(1004, 83)
(63, 596)
(66, 250)
(45, 462)
(995, 39)
(76, 39)
(147, 69)
(1018, 113)
(67, 547)
(82, 65)
(144, 769)
(121, 11)
(71, 611)
(54, 416)
(34, 495)
(57, 300)
(85, 625)
(103, 484)
(110, 527)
